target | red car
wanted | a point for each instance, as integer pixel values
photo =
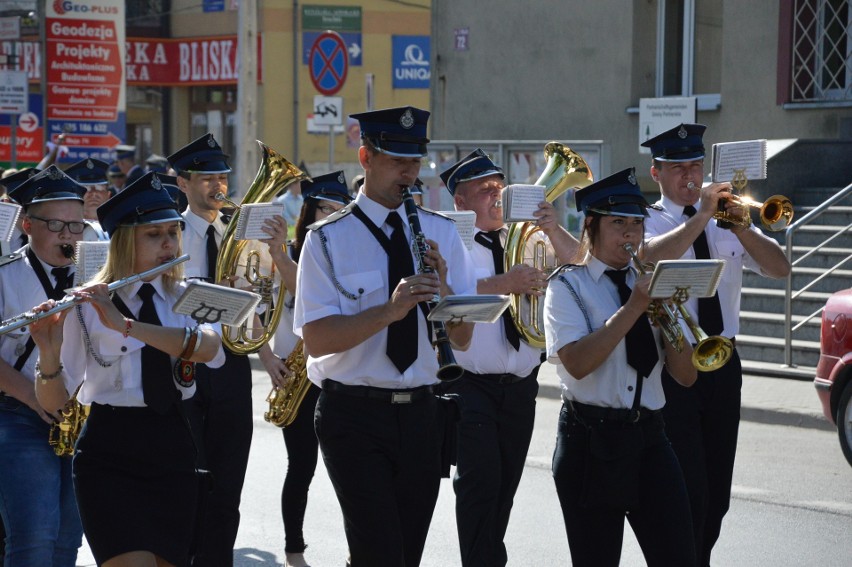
(833, 378)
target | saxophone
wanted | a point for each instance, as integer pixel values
(284, 402)
(63, 435)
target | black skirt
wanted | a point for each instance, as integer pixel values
(134, 476)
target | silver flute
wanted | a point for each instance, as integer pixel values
(70, 301)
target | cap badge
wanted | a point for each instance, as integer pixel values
(407, 119)
(341, 179)
(156, 183)
(54, 173)
(89, 164)
(682, 133)
(211, 142)
(631, 179)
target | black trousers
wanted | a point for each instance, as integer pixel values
(302, 454)
(220, 415)
(383, 461)
(494, 432)
(702, 423)
(660, 519)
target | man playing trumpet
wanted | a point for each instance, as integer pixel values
(702, 422)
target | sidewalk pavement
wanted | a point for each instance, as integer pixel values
(776, 401)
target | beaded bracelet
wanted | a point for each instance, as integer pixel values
(128, 324)
(44, 378)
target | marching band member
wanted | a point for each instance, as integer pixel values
(221, 410)
(37, 501)
(612, 459)
(323, 196)
(91, 174)
(703, 422)
(498, 390)
(368, 344)
(13, 180)
(134, 467)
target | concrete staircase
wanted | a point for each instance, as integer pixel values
(761, 339)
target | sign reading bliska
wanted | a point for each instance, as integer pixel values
(411, 67)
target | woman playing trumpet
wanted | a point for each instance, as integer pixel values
(323, 196)
(612, 458)
(134, 467)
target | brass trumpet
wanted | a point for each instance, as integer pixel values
(776, 212)
(709, 353)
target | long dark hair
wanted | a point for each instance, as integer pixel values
(307, 217)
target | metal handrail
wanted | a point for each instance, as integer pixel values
(788, 291)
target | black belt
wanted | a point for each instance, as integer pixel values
(499, 378)
(621, 415)
(406, 396)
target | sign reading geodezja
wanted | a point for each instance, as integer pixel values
(85, 60)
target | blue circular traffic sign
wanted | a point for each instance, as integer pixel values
(328, 63)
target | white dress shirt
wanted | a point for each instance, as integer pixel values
(120, 382)
(490, 351)
(724, 245)
(359, 265)
(195, 244)
(613, 383)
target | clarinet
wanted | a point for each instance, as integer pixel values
(448, 369)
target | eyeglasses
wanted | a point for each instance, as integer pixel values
(56, 225)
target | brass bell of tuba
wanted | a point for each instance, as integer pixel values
(565, 169)
(253, 268)
(284, 402)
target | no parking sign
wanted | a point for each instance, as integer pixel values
(328, 63)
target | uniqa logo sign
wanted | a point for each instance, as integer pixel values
(414, 66)
(63, 7)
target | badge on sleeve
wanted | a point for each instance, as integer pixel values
(184, 373)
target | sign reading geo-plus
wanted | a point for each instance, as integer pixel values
(85, 74)
(328, 63)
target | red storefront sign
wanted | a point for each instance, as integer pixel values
(84, 72)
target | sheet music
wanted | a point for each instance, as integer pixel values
(251, 220)
(730, 157)
(9, 213)
(699, 277)
(91, 257)
(465, 222)
(521, 201)
(482, 308)
(211, 303)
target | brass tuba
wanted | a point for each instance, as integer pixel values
(284, 402)
(241, 265)
(565, 169)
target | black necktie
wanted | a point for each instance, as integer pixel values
(61, 277)
(493, 242)
(212, 253)
(709, 308)
(157, 389)
(641, 348)
(402, 334)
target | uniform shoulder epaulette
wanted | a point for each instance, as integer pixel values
(563, 268)
(9, 258)
(434, 213)
(334, 217)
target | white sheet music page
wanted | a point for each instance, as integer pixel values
(211, 303)
(698, 277)
(483, 308)
(251, 219)
(9, 213)
(91, 257)
(747, 156)
(521, 201)
(465, 222)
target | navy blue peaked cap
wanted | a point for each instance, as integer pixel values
(203, 155)
(328, 187)
(145, 201)
(89, 171)
(396, 131)
(12, 182)
(51, 184)
(681, 143)
(618, 195)
(474, 165)
(125, 151)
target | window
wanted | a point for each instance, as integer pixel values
(821, 51)
(689, 50)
